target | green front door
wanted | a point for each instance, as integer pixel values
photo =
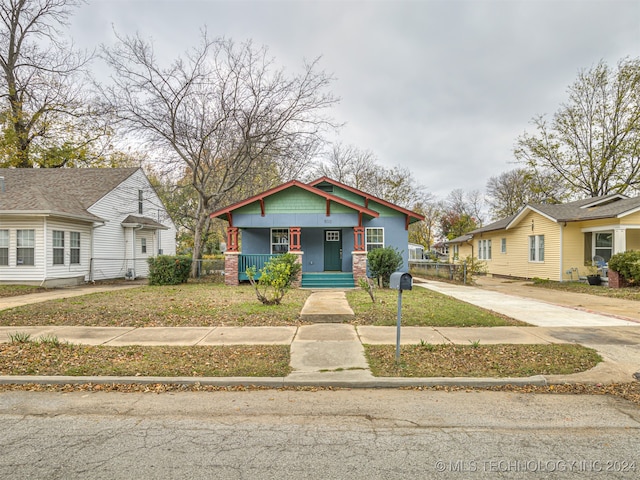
(332, 250)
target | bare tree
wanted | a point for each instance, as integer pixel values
(508, 192)
(221, 114)
(44, 115)
(592, 144)
(349, 165)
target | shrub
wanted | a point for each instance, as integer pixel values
(169, 270)
(475, 268)
(275, 278)
(627, 264)
(382, 262)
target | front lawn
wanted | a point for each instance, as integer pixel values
(188, 305)
(422, 307)
(429, 360)
(628, 293)
(45, 358)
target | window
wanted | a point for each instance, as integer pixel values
(503, 245)
(140, 202)
(74, 247)
(58, 247)
(536, 248)
(456, 252)
(374, 238)
(332, 236)
(484, 249)
(4, 247)
(143, 243)
(25, 247)
(279, 240)
(603, 242)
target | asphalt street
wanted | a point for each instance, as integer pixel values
(355, 434)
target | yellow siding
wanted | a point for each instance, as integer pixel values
(515, 262)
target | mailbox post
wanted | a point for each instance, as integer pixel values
(400, 281)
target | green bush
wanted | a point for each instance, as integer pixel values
(627, 264)
(169, 270)
(275, 278)
(382, 262)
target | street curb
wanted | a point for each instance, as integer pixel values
(278, 382)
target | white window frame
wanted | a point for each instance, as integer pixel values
(536, 248)
(456, 251)
(503, 245)
(25, 241)
(57, 242)
(143, 245)
(4, 248)
(597, 250)
(373, 238)
(484, 249)
(74, 248)
(277, 240)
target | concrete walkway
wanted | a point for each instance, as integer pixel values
(534, 312)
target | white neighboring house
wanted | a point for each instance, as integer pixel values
(72, 225)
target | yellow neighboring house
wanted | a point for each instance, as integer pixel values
(555, 242)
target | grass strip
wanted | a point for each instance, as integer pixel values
(422, 307)
(500, 360)
(36, 358)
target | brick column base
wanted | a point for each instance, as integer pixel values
(359, 266)
(616, 280)
(297, 282)
(231, 268)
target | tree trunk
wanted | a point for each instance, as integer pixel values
(200, 234)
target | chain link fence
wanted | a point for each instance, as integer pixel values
(449, 271)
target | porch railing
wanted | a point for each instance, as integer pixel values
(251, 260)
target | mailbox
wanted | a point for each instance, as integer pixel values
(401, 281)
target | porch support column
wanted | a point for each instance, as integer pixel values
(359, 265)
(232, 239)
(297, 282)
(231, 260)
(358, 239)
(619, 240)
(294, 239)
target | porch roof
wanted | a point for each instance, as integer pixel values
(227, 212)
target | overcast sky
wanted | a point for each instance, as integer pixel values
(441, 87)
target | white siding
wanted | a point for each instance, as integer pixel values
(68, 270)
(24, 273)
(113, 252)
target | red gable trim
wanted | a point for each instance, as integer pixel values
(368, 197)
(227, 211)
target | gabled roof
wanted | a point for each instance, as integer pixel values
(595, 208)
(66, 192)
(227, 211)
(413, 216)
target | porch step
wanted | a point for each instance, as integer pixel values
(328, 280)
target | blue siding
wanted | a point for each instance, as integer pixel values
(257, 240)
(283, 220)
(394, 235)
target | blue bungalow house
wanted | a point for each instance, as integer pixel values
(330, 226)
